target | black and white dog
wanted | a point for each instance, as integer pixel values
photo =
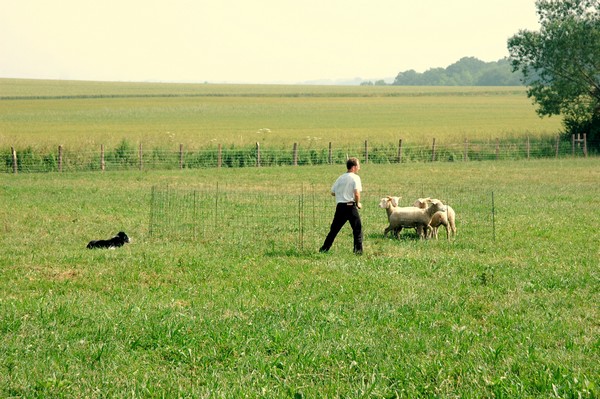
(117, 241)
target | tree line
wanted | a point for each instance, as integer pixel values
(468, 71)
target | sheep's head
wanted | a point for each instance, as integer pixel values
(387, 202)
(422, 203)
(384, 203)
(437, 205)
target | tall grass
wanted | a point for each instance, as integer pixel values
(160, 317)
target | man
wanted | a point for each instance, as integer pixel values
(347, 189)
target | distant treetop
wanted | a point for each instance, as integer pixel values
(468, 71)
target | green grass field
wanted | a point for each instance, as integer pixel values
(228, 297)
(247, 314)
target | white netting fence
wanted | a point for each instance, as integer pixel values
(294, 221)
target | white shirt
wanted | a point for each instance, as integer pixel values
(344, 187)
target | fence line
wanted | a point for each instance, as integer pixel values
(126, 156)
(252, 220)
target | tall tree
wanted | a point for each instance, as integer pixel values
(560, 63)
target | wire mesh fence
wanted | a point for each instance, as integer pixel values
(297, 221)
(127, 156)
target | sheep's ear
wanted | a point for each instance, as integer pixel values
(394, 201)
(421, 203)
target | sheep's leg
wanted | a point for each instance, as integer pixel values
(433, 232)
(397, 231)
(387, 230)
(426, 230)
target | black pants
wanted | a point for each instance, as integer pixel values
(345, 213)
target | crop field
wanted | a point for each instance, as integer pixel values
(222, 292)
(84, 115)
(244, 311)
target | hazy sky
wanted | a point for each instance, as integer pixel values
(250, 41)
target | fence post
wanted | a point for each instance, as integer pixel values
(433, 151)
(528, 148)
(60, 158)
(180, 156)
(295, 154)
(330, 156)
(141, 157)
(14, 160)
(366, 151)
(152, 207)
(400, 151)
(219, 156)
(493, 219)
(466, 156)
(257, 154)
(497, 149)
(301, 219)
(580, 140)
(102, 163)
(557, 144)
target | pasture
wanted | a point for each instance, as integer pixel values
(241, 312)
(222, 292)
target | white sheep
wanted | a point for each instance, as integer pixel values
(389, 203)
(410, 216)
(447, 218)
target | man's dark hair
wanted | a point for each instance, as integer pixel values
(351, 162)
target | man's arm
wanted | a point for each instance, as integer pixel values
(357, 199)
